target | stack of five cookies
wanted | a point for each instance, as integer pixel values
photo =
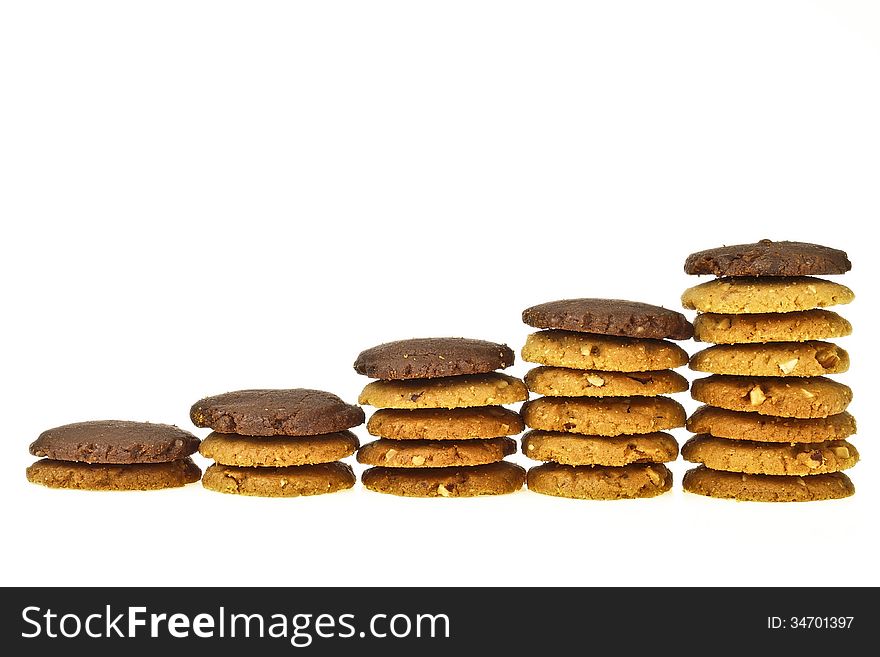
(774, 428)
(604, 366)
(442, 429)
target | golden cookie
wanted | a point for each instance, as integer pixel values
(471, 481)
(572, 449)
(770, 458)
(445, 424)
(738, 425)
(739, 296)
(248, 451)
(796, 326)
(585, 482)
(105, 476)
(782, 397)
(435, 453)
(564, 382)
(448, 392)
(587, 351)
(772, 359)
(767, 488)
(292, 481)
(610, 416)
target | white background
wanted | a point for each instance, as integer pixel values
(206, 196)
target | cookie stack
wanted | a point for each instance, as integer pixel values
(774, 428)
(114, 455)
(277, 443)
(442, 429)
(604, 365)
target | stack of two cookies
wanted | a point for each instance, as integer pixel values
(442, 429)
(604, 366)
(774, 427)
(277, 443)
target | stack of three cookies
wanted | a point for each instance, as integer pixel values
(605, 365)
(277, 443)
(442, 429)
(774, 426)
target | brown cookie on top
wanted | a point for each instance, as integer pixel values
(429, 358)
(768, 258)
(631, 319)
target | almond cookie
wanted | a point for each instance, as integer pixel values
(738, 296)
(435, 453)
(115, 441)
(467, 481)
(768, 258)
(772, 359)
(767, 488)
(447, 392)
(738, 425)
(770, 458)
(293, 481)
(429, 358)
(295, 412)
(782, 397)
(572, 449)
(260, 452)
(445, 424)
(589, 351)
(612, 416)
(585, 482)
(564, 382)
(106, 476)
(798, 326)
(610, 317)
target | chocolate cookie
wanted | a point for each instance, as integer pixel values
(429, 358)
(294, 481)
(767, 488)
(611, 416)
(465, 391)
(296, 412)
(115, 441)
(435, 453)
(566, 382)
(768, 258)
(260, 452)
(796, 326)
(812, 358)
(588, 351)
(770, 458)
(445, 424)
(107, 476)
(585, 482)
(609, 317)
(571, 449)
(739, 425)
(808, 397)
(471, 481)
(737, 296)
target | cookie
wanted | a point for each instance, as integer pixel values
(293, 481)
(296, 412)
(430, 358)
(798, 326)
(585, 482)
(782, 397)
(572, 449)
(110, 476)
(445, 424)
(811, 358)
(115, 441)
(612, 416)
(769, 458)
(768, 258)
(469, 481)
(587, 351)
(739, 296)
(447, 392)
(767, 488)
(765, 428)
(564, 382)
(435, 453)
(609, 317)
(260, 452)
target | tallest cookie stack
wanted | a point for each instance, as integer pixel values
(774, 427)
